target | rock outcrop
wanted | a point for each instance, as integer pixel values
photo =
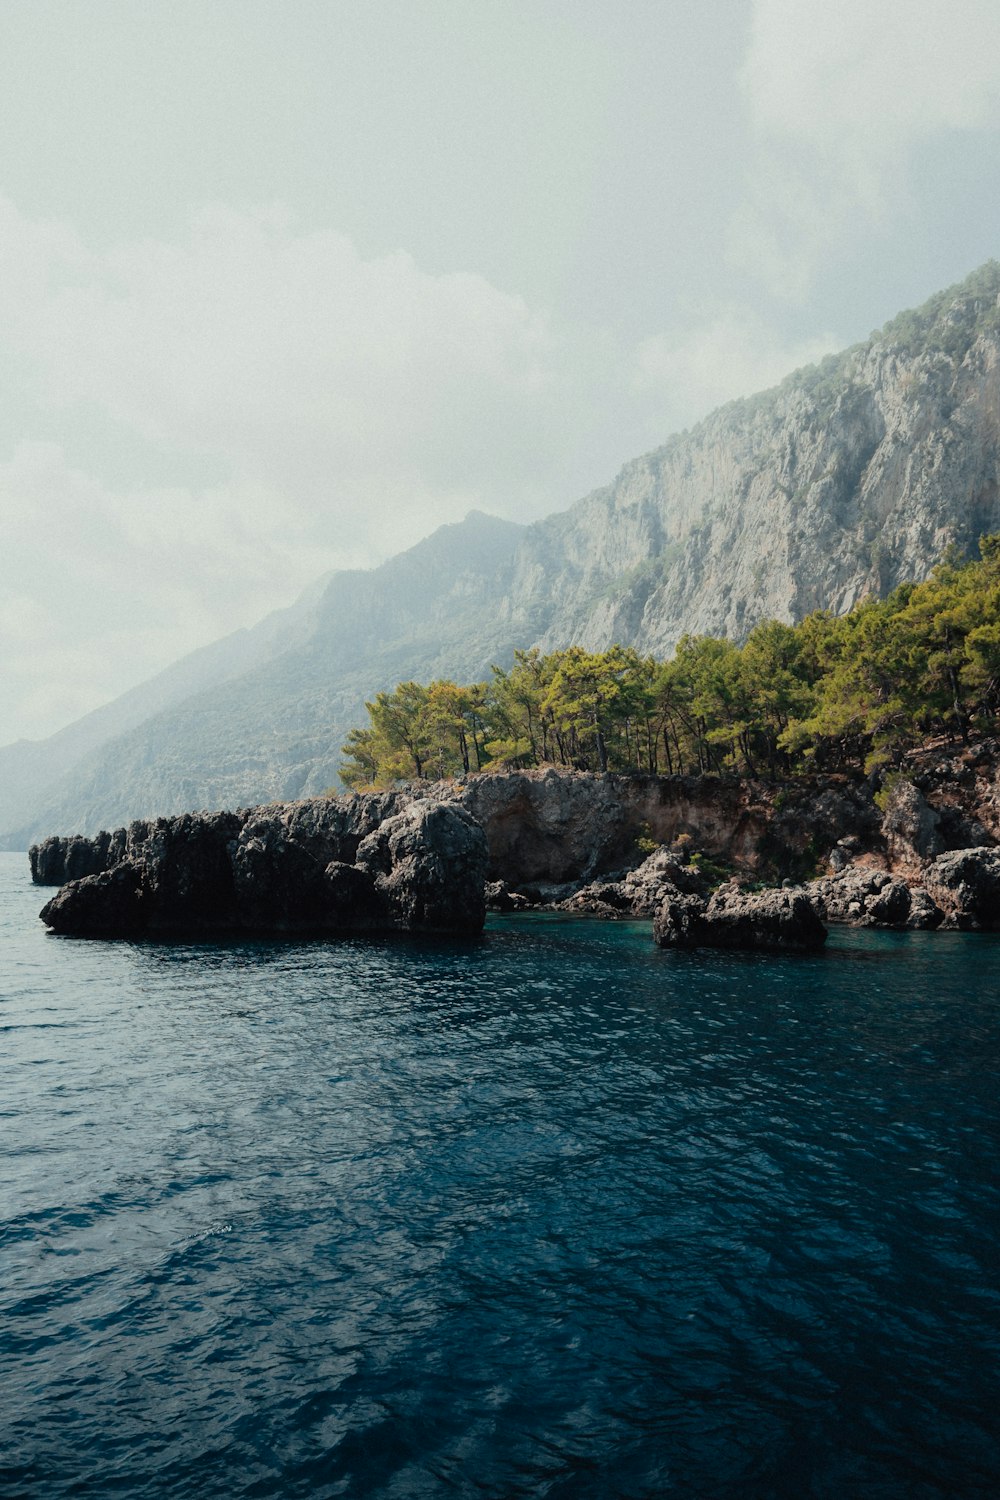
(910, 825)
(114, 903)
(639, 892)
(965, 885)
(769, 921)
(56, 860)
(428, 865)
(864, 897)
(350, 865)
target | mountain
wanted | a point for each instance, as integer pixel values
(848, 478)
(29, 767)
(275, 731)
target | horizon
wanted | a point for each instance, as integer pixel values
(458, 263)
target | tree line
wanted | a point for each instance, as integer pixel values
(833, 693)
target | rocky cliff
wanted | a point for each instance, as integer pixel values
(920, 850)
(847, 479)
(361, 864)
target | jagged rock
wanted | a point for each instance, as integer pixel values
(548, 826)
(843, 852)
(499, 897)
(966, 886)
(275, 875)
(680, 921)
(661, 872)
(772, 921)
(169, 874)
(114, 903)
(57, 860)
(549, 831)
(554, 827)
(910, 826)
(279, 885)
(187, 869)
(924, 914)
(353, 900)
(289, 860)
(324, 827)
(288, 869)
(429, 863)
(862, 897)
(639, 892)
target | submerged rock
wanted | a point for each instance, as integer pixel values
(771, 921)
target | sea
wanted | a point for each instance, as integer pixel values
(545, 1213)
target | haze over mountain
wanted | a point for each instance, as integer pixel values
(845, 480)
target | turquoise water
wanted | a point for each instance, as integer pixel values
(552, 1213)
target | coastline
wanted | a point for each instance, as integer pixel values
(917, 848)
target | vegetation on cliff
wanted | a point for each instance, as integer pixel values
(831, 693)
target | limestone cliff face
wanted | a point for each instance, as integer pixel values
(845, 480)
(808, 498)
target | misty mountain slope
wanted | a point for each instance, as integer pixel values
(28, 768)
(846, 479)
(276, 731)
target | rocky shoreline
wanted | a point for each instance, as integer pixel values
(917, 849)
(958, 891)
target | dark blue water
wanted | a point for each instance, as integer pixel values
(550, 1214)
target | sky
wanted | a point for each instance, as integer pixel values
(286, 284)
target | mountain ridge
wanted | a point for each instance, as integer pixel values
(847, 478)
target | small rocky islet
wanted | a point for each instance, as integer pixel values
(715, 861)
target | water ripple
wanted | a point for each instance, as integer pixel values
(550, 1214)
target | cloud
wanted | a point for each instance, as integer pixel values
(100, 588)
(363, 387)
(348, 404)
(732, 354)
(840, 100)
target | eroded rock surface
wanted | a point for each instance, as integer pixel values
(639, 892)
(114, 903)
(863, 897)
(888, 849)
(429, 866)
(553, 827)
(910, 826)
(769, 921)
(352, 864)
(966, 887)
